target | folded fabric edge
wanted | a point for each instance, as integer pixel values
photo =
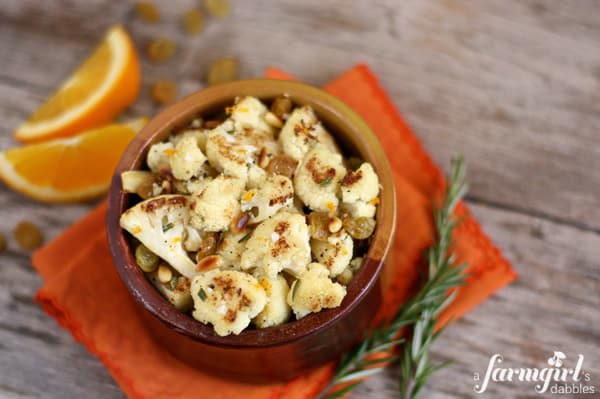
(51, 306)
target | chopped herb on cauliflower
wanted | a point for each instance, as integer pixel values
(278, 243)
(227, 299)
(314, 291)
(275, 193)
(317, 179)
(301, 131)
(215, 207)
(159, 224)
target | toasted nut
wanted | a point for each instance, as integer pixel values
(164, 91)
(241, 222)
(212, 124)
(273, 120)
(28, 236)
(335, 224)
(147, 12)
(281, 107)
(209, 263)
(164, 274)
(264, 158)
(193, 21)
(161, 50)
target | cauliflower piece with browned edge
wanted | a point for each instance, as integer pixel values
(335, 254)
(360, 185)
(359, 209)
(276, 311)
(317, 179)
(278, 243)
(215, 207)
(188, 160)
(314, 291)
(275, 193)
(302, 131)
(159, 224)
(227, 299)
(249, 112)
(201, 135)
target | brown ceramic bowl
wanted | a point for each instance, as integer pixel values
(281, 352)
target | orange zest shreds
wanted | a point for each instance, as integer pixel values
(374, 201)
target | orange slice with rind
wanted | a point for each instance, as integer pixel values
(69, 169)
(105, 84)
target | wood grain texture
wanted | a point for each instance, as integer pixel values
(513, 85)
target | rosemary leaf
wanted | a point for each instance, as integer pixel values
(418, 315)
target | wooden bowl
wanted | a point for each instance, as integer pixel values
(281, 352)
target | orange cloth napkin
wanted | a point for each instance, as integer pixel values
(83, 292)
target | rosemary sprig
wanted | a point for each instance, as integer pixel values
(419, 314)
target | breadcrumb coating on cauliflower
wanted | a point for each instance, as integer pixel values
(314, 291)
(334, 254)
(215, 207)
(275, 193)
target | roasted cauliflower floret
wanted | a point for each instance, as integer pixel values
(301, 131)
(314, 291)
(278, 243)
(359, 209)
(275, 193)
(335, 254)
(231, 246)
(178, 292)
(201, 135)
(317, 179)
(276, 311)
(159, 156)
(256, 176)
(360, 185)
(215, 207)
(227, 299)
(159, 224)
(346, 276)
(188, 160)
(250, 112)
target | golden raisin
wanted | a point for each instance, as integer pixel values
(160, 50)
(208, 245)
(28, 236)
(282, 165)
(281, 106)
(193, 21)
(146, 259)
(2, 243)
(221, 71)
(359, 228)
(164, 91)
(217, 8)
(147, 12)
(318, 225)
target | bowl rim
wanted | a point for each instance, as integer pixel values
(328, 108)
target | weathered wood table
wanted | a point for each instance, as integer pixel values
(513, 85)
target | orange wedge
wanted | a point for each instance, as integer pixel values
(68, 169)
(104, 85)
